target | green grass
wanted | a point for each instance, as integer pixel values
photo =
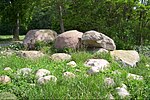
(81, 87)
(8, 38)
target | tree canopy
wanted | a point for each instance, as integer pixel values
(126, 21)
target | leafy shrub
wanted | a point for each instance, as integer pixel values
(13, 46)
(145, 50)
(16, 46)
(45, 47)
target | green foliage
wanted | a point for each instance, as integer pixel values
(13, 46)
(125, 21)
(45, 47)
(16, 46)
(81, 57)
(145, 50)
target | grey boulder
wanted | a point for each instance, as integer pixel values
(68, 39)
(42, 35)
(97, 40)
(126, 57)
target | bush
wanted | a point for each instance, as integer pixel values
(145, 50)
(45, 47)
(13, 46)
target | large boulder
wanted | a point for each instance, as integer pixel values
(68, 39)
(30, 54)
(97, 40)
(42, 35)
(127, 57)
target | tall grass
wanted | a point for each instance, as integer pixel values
(81, 87)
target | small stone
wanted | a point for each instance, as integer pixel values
(45, 79)
(7, 69)
(61, 57)
(51, 77)
(31, 54)
(25, 71)
(5, 79)
(110, 96)
(122, 91)
(42, 72)
(134, 76)
(72, 64)
(109, 82)
(69, 75)
(96, 65)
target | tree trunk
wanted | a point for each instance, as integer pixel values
(16, 29)
(61, 19)
(140, 28)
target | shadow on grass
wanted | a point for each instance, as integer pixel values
(6, 39)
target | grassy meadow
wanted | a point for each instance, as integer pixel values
(83, 86)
